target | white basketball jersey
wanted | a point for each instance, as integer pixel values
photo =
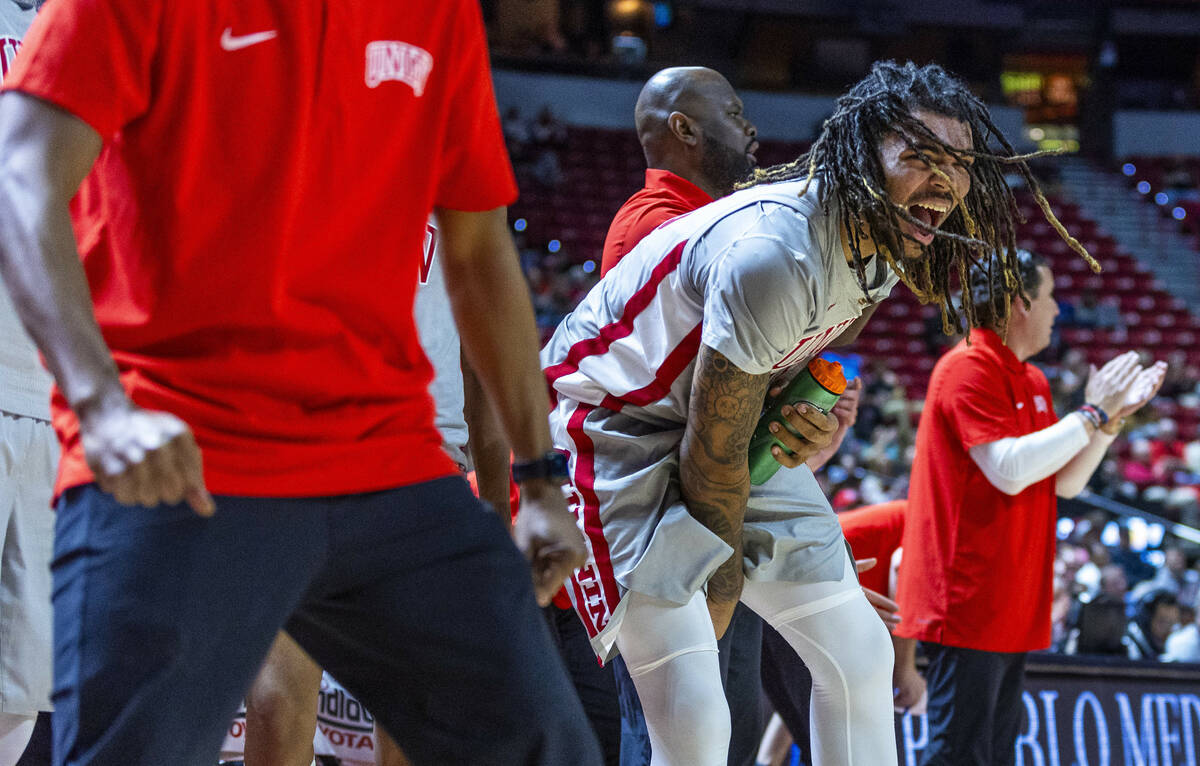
(439, 338)
(759, 276)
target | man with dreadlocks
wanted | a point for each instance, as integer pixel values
(659, 377)
(980, 530)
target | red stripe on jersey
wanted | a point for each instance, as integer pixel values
(621, 328)
(600, 567)
(675, 363)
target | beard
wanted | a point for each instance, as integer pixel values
(724, 166)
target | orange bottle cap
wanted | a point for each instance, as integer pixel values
(828, 374)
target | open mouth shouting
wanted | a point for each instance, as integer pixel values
(932, 212)
(751, 148)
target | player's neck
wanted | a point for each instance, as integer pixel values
(866, 246)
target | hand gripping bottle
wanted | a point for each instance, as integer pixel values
(820, 385)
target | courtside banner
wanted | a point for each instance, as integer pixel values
(344, 728)
(1095, 713)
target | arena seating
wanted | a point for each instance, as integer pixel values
(601, 168)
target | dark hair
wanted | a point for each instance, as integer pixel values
(845, 158)
(1147, 607)
(991, 293)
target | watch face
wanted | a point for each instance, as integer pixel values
(552, 465)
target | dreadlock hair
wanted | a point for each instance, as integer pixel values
(845, 158)
(991, 296)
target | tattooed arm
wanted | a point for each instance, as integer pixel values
(713, 467)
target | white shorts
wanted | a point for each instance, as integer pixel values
(28, 460)
(640, 536)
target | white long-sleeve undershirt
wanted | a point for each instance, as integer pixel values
(1016, 462)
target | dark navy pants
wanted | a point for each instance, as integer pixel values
(594, 683)
(974, 706)
(415, 599)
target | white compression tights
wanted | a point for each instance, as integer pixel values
(15, 731)
(671, 654)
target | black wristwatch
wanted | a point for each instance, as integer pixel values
(552, 465)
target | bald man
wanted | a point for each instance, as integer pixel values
(698, 144)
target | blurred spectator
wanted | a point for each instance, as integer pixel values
(1090, 575)
(1099, 626)
(517, 136)
(1067, 379)
(1154, 620)
(548, 136)
(1138, 467)
(1136, 568)
(1114, 583)
(1174, 578)
(1089, 313)
(1184, 644)
(547, 131)
(1166, 450)
(1181, 375)
(546, 169)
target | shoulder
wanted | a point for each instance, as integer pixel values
(647, 210)
(1036, 377)
(964, 368)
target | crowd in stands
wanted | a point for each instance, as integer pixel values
(1110, 597)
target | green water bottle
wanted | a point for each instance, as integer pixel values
(819, 385)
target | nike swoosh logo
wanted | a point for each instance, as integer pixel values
(231, 43)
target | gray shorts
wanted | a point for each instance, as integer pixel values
(28, 460)
(626, 497)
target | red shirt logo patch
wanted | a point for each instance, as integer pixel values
(401, 62)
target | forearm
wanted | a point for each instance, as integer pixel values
(1074, 476)
(1015, 463)
(491, 307)
(718, 501)
(713, 468)
(489, 452)
(40, 265)
(906, 652)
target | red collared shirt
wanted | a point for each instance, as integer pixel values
(665, 196)
(978, 564)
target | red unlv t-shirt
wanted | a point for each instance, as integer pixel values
(252, 229)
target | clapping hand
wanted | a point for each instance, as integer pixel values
(1144, 387)
(1107, 387)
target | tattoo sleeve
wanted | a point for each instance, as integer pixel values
(714, 473)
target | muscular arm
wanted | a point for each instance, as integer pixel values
(489, 451)
(713, 466)
(45, 153)
(141, 457)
